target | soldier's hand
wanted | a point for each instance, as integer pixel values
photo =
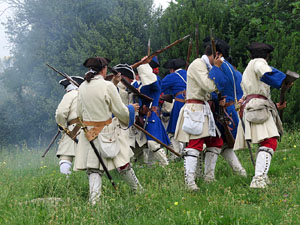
(116, 79)
(146, 61)
(136, 106)
(218, 61)
(281, 106)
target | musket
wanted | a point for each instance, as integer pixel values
(68, 133)
(213, 44)
(149, 45)
(157, 140)
(135, 65)
(248, 144)
(197, 39)
(167, 98)
(189, 53)
(64, 75)
(286, 85)
(51, 143)
(130, 87)
(99, 156)
(223, 118)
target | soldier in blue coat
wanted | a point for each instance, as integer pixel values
(150, 86)
(175, 84)
(230, 88)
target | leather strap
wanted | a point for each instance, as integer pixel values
(97, 128)
(180, 92)
(227, 104)
(247, 99)
(180, 100)
(153, 109)
(195, 101)
(76, 120)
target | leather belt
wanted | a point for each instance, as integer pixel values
(76, 120)
(227, 104)
(179, 93)
(195, 101)
(97, 128)
(97, 124)
(247, 99)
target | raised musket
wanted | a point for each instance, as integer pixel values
(189, 53)
(197, 39)
(213, 44)
(64, 75)
(149, 46)
(286, 85)
(135, 65)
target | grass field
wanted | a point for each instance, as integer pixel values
(25, 176)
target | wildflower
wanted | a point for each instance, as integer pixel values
(176, 203)
(295, 146)
(284, 158)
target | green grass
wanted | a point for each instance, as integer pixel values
(24, 176)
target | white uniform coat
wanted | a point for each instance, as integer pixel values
(67, 111)
(251, 84)
(97, 101)
(132, 134)
(199, 86)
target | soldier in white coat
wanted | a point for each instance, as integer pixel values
(101, 109)
(66, 118)
(196, 123)
(261, 123)
(136, 138)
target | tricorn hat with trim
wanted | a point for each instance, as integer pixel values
(174, 64)
(154, 62)
(125, 70)
(66, 83)
(260, 47)
(96, 62)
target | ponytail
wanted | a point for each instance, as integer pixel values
(91, 73)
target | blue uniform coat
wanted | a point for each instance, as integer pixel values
(172, 84)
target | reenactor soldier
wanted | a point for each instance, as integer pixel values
(67, 120)
(196, 124)
(226, 116)
(101, 110)
(175, 84)
(150, 86)
(260, 121)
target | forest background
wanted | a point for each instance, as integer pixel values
(64, 33)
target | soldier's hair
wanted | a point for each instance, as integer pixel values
(208, 50)
(92, 73)
(259, 54)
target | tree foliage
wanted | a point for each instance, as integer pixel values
(64, 33)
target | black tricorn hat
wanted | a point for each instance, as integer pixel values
(154, 62)
(174, 64)
(221, 46)
(125, 70)
(66, 83)
(96, 62)
(260, 47)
